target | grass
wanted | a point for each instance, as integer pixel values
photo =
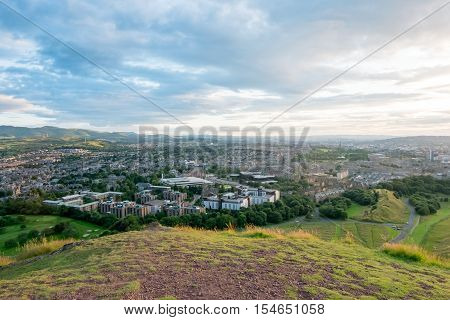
(367, 234)
(39, 223)
(5, 261)
(36, 247)
(193, 264)
(356, 210)
(433, 233)
(388, 209)
(415, 253)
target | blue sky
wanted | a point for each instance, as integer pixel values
(233, 63)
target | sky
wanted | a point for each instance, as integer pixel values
(227, 63)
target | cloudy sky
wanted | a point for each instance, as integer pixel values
(227, 63)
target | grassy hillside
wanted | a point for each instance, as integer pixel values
(388, 209)
(191, 264)
(39, 223)
(370, 235)
(433, 232)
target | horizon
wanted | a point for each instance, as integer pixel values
(344, 135)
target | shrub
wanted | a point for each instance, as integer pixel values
(37, 247)
(5, 260)
(11, 243)
(415, 253)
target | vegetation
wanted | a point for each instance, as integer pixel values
(188, 263)
(288, 207)
(414, 253)
(418, 184)
(389, 208)
(335, 208)
(432, 232)
(362, 196)
(370, 235)
(14, 236)
(323, 153)
(425, 203)
(37, 247)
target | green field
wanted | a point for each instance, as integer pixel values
(194, 264)
(356, 210)
(39, 223)
(370, 235)
(433, 232)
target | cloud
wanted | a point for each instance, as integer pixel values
(234, 62)
(10, 104)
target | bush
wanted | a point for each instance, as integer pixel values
(413, 253)
(11, 243)
(4, 261)
(39, 247)
(362, 197)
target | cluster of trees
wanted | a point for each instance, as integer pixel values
(288, 207)
(425, 203)
(335, 208)
(411, 185)
(11, 220)
(5, 193)
(362, 196)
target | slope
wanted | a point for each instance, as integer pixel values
(192, 264)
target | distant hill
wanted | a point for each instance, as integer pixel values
(194, 264)
(59, 133)
(422, 141)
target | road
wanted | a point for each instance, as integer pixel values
(412, 223)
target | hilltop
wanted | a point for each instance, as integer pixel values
(193, 264)
(388, 209)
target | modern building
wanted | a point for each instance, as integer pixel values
(185, 181)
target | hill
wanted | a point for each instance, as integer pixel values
(192, 264)
(388, 209)
(59, 133)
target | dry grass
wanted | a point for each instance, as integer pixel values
(39, 247)
(412, 252)
(302, 234)
(256, 232)
(5, 260)
(261, 233)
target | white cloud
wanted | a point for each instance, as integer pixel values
(11, 104)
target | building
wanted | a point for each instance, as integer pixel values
(185, 181)
(175, 196)
(145, 197)
(212, 203)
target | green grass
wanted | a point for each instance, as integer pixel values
(39, 223)
(433, 232)
(412, 252)
(193, 264)
(356, 210)
(368, 234)
(388, 209)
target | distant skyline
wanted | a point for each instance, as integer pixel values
(236, 63)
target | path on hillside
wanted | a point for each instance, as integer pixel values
(412, 223)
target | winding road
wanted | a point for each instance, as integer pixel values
(412, 223)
